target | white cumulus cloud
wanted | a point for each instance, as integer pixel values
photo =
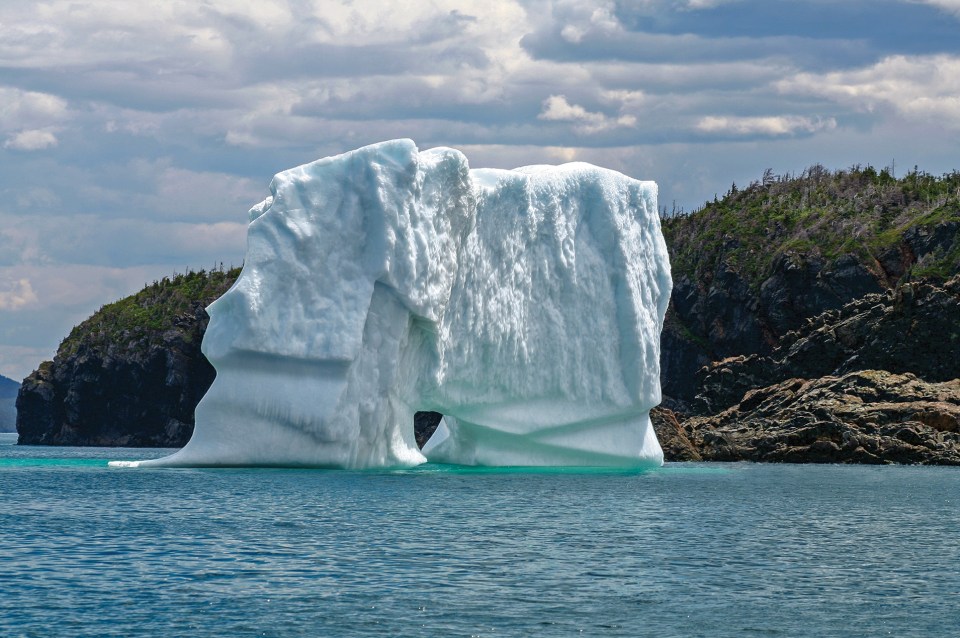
(588, 19)
(17, 294)
(556, 108)
(33, 140)
(924, 88)
(704, 4)
(25, 110)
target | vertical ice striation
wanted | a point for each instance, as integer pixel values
(525, 305)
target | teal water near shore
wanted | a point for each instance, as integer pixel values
(686, 550)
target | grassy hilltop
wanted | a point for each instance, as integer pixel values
(145, 316)
(819, 213)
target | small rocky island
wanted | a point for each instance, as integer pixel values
(814, 318)
(130, 375)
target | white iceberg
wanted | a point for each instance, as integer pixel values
(525, 305)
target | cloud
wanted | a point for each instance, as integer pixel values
(774, 125)
(29, 119)
(26, 117)
(87, 240)
(588, 20)
(34, 140)
(858, 32)
(17, 294)
(704, 4)
(184, 195)
(950, 6)
(556, 108)
(155, 126)
(154, 190)
(924, 88)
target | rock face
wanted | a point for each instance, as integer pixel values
(673, 437)
(728, 318)
(139, 396)
(912, 329)
(872, 382)
(756, 265)
(860, 417)
(116, 383)
(424, 425)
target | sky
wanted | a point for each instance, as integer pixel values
(135, 136)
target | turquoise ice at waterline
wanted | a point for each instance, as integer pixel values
(685, 550)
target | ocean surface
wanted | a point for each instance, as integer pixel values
(687, 550)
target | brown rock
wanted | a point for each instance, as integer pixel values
(673, 439)
(916, 329)
(868, 416)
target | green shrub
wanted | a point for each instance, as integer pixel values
(147, 315)
(819, 213)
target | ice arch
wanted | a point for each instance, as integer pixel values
(524, 305)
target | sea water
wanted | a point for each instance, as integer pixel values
(687, 550)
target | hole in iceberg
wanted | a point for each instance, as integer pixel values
(424, 425)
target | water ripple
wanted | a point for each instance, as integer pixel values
(689, 550)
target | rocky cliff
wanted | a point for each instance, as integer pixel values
(130, 375)
(914, 328)
(755, 265)
(868, 416)
(802, 308)
(842, 388)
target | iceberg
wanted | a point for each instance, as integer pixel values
(524, 305)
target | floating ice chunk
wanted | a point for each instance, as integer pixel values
(524, 305)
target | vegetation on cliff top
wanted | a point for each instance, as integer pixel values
(148, 314)
(857, 211)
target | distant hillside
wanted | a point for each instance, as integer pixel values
(8, 410)
(131, 374)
